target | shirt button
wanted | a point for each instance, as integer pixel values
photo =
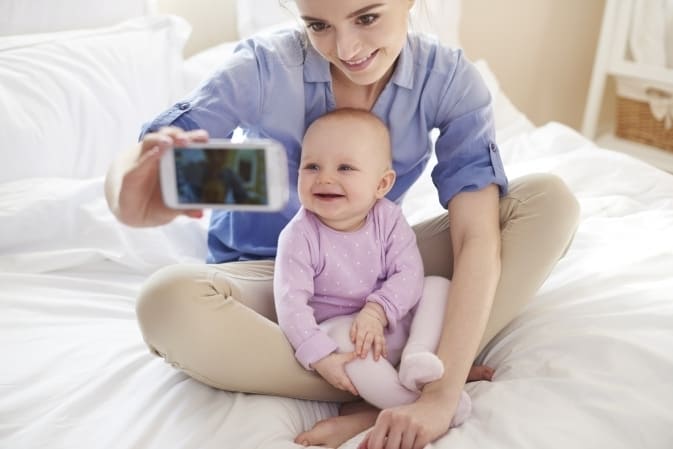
(183, 106)
(493, 147)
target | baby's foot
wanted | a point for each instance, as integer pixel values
(463, 410)
(419, 368)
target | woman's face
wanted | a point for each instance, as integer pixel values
(360, 38)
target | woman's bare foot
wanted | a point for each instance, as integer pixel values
(480, 372)
(332, 432)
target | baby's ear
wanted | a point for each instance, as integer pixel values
(385, 183)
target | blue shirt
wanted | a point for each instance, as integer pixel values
(276, 85)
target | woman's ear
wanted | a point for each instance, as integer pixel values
(385, 183)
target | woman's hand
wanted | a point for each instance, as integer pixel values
(367, 331)
(132, 186)
(332, 369)
(410, 426)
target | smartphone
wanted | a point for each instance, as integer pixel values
(249, 175)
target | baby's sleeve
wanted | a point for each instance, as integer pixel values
(403, 286)
(293, 289)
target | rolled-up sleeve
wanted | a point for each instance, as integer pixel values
(468, 157)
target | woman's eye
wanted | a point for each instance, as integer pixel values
(316, 27)
(367, 19)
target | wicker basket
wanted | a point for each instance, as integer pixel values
(645, 113)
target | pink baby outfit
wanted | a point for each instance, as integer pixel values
(324, 277)
(322, 273)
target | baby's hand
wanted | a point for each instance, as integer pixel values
(367, 331)
(331, 368)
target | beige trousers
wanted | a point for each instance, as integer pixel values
(217, 323)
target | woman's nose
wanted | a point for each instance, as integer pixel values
(348, 45)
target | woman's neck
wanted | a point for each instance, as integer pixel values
(351, 95)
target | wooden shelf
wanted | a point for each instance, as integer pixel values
(657, 76)
(612, 62)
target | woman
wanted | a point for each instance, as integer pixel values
(501, 243)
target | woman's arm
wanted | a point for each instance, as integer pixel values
(132, 188)
(475, 236)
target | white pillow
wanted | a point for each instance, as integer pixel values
(51, 224)
(70, 100)
(43, 16)
(437, 17)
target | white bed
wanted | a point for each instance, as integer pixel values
(589, 364)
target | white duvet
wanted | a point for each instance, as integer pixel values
(589, 364)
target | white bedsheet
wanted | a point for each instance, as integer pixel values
(589, 364)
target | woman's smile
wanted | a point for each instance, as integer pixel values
(356, 65)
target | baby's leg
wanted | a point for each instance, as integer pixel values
(420, 364)
(376, 381)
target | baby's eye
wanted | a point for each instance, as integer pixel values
(345, 167)
(367, 19)
(311, 167)
(316, 27)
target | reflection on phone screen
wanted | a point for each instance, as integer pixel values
(221, 176)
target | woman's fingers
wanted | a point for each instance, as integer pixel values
(347, 385)
(199, 135)
(344, 382)
(182, 137)
(155, 140)
(193, 213)
(408, 440)
(394, 439)
(376, 439)
(171, 136)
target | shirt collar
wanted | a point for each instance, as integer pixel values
(316, 68)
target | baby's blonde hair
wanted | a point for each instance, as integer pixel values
(362, 116)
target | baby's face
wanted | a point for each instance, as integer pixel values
(342, 171)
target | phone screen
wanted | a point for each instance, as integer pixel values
(221, 176)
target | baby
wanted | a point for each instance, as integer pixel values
(349, 288)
